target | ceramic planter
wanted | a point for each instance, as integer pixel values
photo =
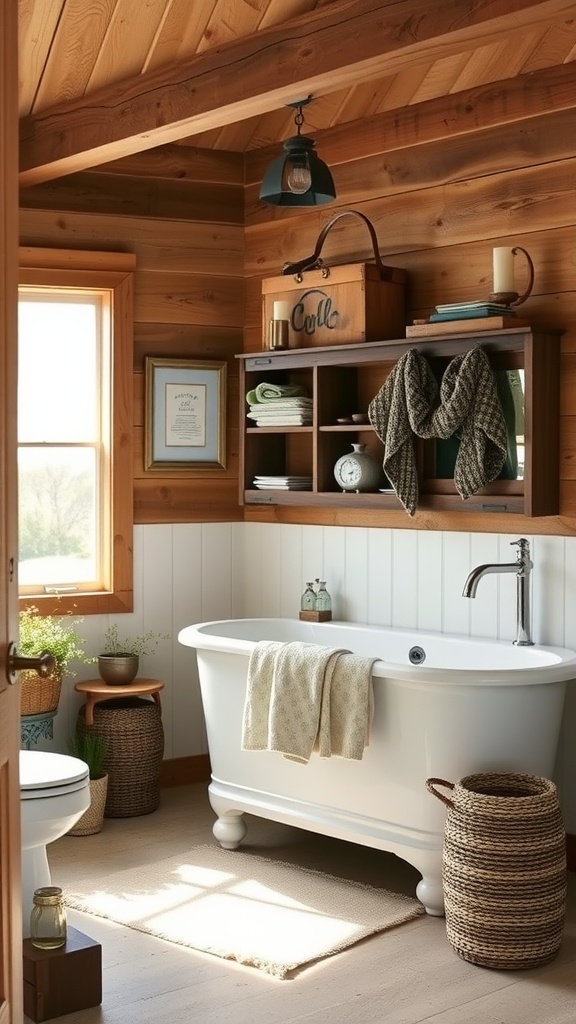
(118, 669)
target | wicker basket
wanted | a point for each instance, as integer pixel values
(132, 728)
(503, 869)
(92, 820)
(39, 694)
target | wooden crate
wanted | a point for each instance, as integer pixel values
(60, 981)
(338, 305)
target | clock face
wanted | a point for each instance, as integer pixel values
(349, 472)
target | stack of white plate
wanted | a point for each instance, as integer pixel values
(283, 483)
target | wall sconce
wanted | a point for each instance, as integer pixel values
(299, 177)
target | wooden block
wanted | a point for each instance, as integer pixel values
(477, 323)
(315, 616)
(59, 981)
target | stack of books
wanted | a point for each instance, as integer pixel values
(469, 310)
(454, 317)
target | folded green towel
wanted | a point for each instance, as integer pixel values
(268, 392)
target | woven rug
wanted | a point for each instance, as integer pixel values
(261, 913)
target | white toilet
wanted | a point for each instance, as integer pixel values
(54, 793)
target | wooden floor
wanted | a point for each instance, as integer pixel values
(404, 976)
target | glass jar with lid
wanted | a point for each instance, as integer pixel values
(48, 918)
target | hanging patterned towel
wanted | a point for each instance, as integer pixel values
(407, 404)
(303, 697)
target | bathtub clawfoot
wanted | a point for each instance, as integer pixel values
(230, 830)
(431, 895)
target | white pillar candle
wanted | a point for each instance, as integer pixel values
(281, 311)
(503, 263)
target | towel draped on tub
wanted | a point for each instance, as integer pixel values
(304, 697)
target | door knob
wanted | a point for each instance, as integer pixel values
(44, 664)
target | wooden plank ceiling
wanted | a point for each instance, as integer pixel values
(104, 79)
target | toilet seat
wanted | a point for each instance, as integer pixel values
(44, 775)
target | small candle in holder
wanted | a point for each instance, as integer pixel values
(281, 311)
(503, 265)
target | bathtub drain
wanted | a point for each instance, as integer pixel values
(417, 655)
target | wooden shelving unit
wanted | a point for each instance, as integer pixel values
(343, 379)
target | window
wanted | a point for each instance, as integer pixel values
(75, 430)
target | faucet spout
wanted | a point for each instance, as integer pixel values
(474, 577)
(522, 568)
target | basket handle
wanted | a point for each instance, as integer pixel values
(314, 262)
(430, 783)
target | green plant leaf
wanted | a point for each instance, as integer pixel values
(141, 644)
(91, 748)
(56, 634)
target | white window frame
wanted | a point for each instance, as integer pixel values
(113, 272)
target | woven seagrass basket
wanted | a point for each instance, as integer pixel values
(92, 820)
(39, 694)
(132, 727)
(503, 869)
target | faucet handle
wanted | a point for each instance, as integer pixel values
(522, 544)
(523, 555)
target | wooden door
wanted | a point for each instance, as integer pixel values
(11, 1011)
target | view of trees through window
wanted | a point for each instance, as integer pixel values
(60, 438)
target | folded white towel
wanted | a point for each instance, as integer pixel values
(288, 420)
(281, 403)
(303, 697)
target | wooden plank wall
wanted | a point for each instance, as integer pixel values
(443, 182)
(440, 198)
(181, 212)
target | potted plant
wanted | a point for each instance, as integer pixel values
(91, 748)
(119, 662)
(58, 635)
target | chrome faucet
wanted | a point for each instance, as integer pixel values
(522, 567)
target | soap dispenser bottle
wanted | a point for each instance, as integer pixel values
(323, 601)
(308, 599)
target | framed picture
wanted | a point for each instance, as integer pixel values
(185, 417)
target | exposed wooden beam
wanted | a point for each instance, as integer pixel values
(325, 50)
(547, 91)
(182, 163)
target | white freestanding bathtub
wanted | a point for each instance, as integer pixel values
(468, 706)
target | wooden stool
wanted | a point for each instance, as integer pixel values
(131, 725)
(96, 690)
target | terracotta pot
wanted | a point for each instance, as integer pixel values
(118, 669)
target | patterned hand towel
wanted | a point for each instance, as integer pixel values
(304, 697)
(347, 708)
(407, 404)
(410, 384)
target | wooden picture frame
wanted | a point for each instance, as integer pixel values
(185, 415)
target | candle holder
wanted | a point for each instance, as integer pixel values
(514, 298)
(277, 334)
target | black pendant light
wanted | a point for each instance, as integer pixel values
(299, 177)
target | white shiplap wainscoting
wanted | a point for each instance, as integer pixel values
(404, 578)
